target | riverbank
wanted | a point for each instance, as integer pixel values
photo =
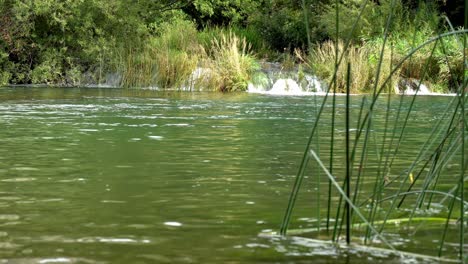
(180, 49)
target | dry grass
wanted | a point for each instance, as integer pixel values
(364, 62)
(231, 64)
(166, 60)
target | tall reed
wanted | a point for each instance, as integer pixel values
(398, 188)
(364, 58)
(166, 60)
(231, 64)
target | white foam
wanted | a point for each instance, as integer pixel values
(286, 86)
(176, 224)
(155, 137)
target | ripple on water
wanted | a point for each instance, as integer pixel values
(9, 217)
(113, 240)
(20, 179)
(179, 125)
(137, 226)
(175, 224)
(24, 169)
(72, 180)
(50, 260)
(55, 260)
(9, 245)
(155, 137)
(10, 198)
(88, 130)
(51, 200)
(113, 201)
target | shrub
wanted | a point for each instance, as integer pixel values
(283, 29)
(251, 35)
(5, 74)
(441, 65)
(231, 64)
(371, 23)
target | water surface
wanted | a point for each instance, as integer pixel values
(139, 176)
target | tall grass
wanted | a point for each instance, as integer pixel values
(364, 59)
(430, 185)
(407, 30)
(170, 60)
(166, 60)
(231, 64)
(249, 33)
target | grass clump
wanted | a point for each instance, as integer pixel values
(440, 64)
(166, 60)
(249, 33)
(365, 60)
(231, 64)
(170, 59)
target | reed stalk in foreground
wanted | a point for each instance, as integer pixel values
(394, 180)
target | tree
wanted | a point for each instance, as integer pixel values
(220, 12)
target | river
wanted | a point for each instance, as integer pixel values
(138, 176)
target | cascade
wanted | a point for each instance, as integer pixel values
(410, 86)
(277, 81)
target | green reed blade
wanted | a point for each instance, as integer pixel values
(348, 168)
(408, 112)
(363, 155)
(318, 192)
(332, 143)
(332, 138)
(463, 132)
(418, 192)
(444, 234)
(351, 204)
(300, 174)
(413, 51)
(306, 21)
(399, 64)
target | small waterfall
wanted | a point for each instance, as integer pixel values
(197, 79)
(410, 87)
(276, 81)
(286, 86)
(271, 79)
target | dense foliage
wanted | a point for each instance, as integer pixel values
(71, 42)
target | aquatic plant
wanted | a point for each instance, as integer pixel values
(321, 61)
(249, 33)
(431, 185)
(231, 64)
(166, 60)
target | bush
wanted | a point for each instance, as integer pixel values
(5, 74)
(372, 21)
(4, 78)
(50, 41)
(441, 66)
(283, 29)
(231, 65)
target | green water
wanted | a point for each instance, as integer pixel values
(138, 176)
